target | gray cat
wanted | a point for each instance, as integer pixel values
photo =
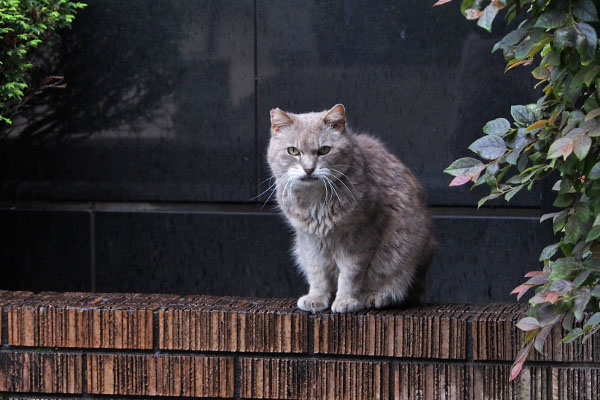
(362, 228)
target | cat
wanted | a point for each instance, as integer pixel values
(363, 235)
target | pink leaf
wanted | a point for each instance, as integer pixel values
(551, 297)
(531, 274)
(520, 290)
(518, 365)
(440, 2)
(516, 370)
(475, 176)
(460, 180)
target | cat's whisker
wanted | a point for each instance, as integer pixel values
(347, 188)
(333, 187)
(288, 180)
(291, 187)
(342, 174)
(268, 198)
(269, 188)
(273, 191)
(330, 191)
(268, 179)
(325, 185)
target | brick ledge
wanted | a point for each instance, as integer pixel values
(229, 347)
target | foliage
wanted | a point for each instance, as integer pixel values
(558, 136)
(24, 26)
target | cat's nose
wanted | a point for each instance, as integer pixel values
(308, 170)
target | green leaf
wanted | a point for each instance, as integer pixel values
(590, 36)
(581, 301)
(583, 212)
(487, 17)
(585, 10)
(559, 222)
(513, 191)
(523, 160)
(595, 171)
(540, 338)
(574, 334)
(564, 37)
(593, 321)
(576, 116)
(510, 39)
(489, 147)
(488, 197)
(592, 114)
(561, 271)
(465, 166)
(551, 19)
(558, 284)
(581, 277)
(528, 324)
(513, 157)
(593, 234)
(581, 146)
(572, 229)
(567, 321)
(596, 291)
(497, 126)
(492, 169)
(522, 115)
(523, 49)
(549, 251)
(591, 74)
(563, 200)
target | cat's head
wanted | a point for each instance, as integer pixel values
(309, 148)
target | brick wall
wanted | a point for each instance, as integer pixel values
(91, 345)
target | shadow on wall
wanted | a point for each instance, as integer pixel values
(112, 75)
(157, 93)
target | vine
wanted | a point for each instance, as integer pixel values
(556, 137)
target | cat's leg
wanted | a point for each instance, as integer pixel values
(320, 274)
(320, 290)
(389, 283)
(350, 281)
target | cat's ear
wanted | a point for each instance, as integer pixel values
(336, 118)
(279, 119)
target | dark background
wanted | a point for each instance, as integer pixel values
(140, 176)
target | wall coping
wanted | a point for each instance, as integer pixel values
(236, 341)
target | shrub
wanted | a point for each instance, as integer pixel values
(25, 25)
(558, 136)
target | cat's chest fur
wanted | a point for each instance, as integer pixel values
(314, 216)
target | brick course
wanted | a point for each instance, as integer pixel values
(113, 345)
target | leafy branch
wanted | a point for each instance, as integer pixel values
(557, 135)
(24, 27)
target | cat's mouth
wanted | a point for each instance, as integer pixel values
(309, 178)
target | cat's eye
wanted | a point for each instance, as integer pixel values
(324, 150)
(293, 151)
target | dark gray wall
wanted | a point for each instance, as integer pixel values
(140, 176)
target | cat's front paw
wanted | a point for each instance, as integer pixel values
(313, 303)
(346, 304)
(378, 300)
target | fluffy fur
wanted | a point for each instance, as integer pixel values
(363, 233)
